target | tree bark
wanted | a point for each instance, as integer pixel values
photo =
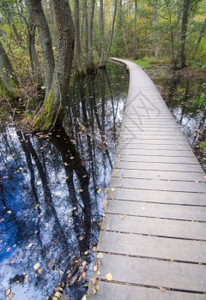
(135, 30)
(7, 73)
(154, 23)
(77, 36)
(185, 18)
(90, 32)
(45, 40)
(34, 60)
(51, 114)
(199, 38)
(101, 25)
(112, 30)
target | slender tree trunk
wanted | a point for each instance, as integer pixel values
(77, 36)
(52, 112)
(135, 30)
(185, 18)
(112, 30)
(45, 40)
(90, 31)
(86, 31)
(101, 23)
(154, 23)
(7, 73)
(202, 32)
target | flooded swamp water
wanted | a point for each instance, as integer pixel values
(53, 187)
(52, 192)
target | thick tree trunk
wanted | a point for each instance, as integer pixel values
(77, 36)
(185, 18)
(7, 73)
(45, 40)
(35, 65)
(53, 109)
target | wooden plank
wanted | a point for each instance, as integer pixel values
(157, 210)
(115, 291)
(160, 166)
(157, 227)
(152, 247)
(157, 159)
(178, 186)
(158, 197)
(159, 152)
(151, 272)
(148, 146)
(161, 175)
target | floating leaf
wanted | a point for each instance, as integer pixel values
(39, 182)
(36, 266)
(8, 291)
(109, 277)
(40, 271)
(30, 245)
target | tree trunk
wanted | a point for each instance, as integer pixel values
(135, 30)
(185, 18)
(86, 30)
(51, 114)
(77, 36)
(154, 23)
(199, 38)
(101, 25)
(45, 40)
(112, 30)
(90, 32)
(7, 73)
(35, 65)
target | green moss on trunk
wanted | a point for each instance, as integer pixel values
(46, 116)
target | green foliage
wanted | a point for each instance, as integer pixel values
(203, 145)
(142, 63)
(200, 102)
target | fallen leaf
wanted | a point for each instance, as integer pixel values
(36, 266)
(8, 291)
(40, 271)
(123, 217)
(84, 298)
(39, 182)
(100, 255)
(30, 245)
(95, 268)
(109, 277)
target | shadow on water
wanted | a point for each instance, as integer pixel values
(52, 190)
(186, 98)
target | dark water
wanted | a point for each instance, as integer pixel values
(186, 98)
(53, 188)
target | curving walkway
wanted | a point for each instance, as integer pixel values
(153, 239)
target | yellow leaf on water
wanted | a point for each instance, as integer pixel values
(8, 291)
(109, 276)
(36, 266)
(30, 245)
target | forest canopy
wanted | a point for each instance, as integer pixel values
(41, 42)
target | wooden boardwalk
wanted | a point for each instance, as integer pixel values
(153, 239)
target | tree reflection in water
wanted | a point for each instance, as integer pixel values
(52, 192)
